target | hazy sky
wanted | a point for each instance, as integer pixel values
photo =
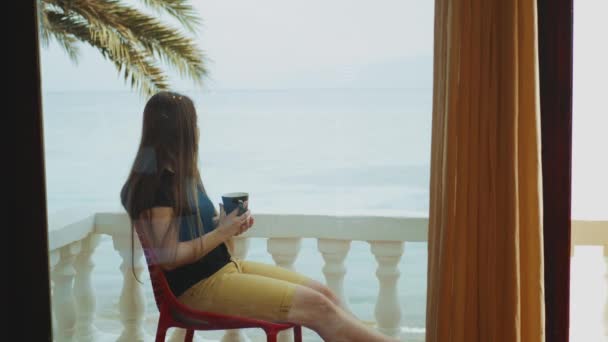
(590, 119)
(279, 43)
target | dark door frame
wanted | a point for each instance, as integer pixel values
(555, 62)
(29, 310)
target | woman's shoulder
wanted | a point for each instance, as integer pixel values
(163, 196)
(147, 196)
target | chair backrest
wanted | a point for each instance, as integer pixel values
(166, 301)
(160, 286)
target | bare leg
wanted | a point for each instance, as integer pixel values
(315, 311)
(327, 292)
(276, 272)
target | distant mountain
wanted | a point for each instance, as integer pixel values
(94, 74)
(407, 72)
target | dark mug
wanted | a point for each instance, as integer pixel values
(235, 200)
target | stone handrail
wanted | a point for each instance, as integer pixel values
(73, 236)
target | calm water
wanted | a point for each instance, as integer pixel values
(294, 151)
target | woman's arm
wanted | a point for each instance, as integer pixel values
(230, 241)
(173, 253)
(246, 220)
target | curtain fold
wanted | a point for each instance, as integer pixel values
(485, 269)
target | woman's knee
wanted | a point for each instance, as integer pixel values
(324, 290)
(310, 307)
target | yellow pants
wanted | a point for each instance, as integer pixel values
(246, 289)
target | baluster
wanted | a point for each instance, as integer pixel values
(54, 257)
(388, 311)
(334, 252)
(83, 290)
(53, 261)
(63, 297)
(284, 252)
(132, 303)
(241, 247)
(177, 335)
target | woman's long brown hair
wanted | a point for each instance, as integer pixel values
(169, 141)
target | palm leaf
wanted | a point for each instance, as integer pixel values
(134, 41)
(178, 9)
(166, 43)
(67, 41)
(135, 66)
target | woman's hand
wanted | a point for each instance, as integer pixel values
(249, 222)
(231, 225)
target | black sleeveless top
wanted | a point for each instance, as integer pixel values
(183, 277)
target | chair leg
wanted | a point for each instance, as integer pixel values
(271, 336)
(161, 331)
(297, 333)
(189, 335)
(164, 323)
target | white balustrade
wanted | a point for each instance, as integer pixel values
(64, 307)
(53, 261)
(54, 258)
(72, 245)
(334, 253)
(388, 312)
(83, 289)
(176, 335)
(241, 247)
(284, 233)
(284, 252)
(132, 303)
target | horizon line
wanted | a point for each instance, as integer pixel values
(234, 89)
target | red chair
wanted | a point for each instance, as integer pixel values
(175, 314)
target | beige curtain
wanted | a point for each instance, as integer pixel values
(485, 271)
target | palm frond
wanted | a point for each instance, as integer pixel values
(135, 65)
(47, 33)
(172, 48)
(136, 43)
(178, 9)
(43, 24)
(68, 43)
(168, 44)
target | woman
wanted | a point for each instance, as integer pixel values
(166, 201)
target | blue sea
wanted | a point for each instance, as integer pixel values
(315, 151)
